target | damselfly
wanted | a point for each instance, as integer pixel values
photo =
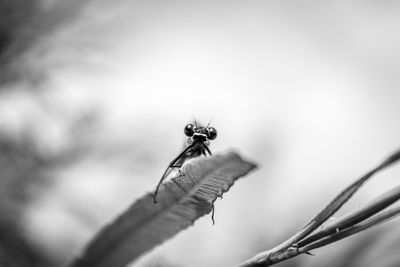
(197, 144)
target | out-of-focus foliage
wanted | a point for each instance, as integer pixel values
(22, 169)
(14, 17)
(15, 250)
(24, 24)
(26, 165)
(26, 172)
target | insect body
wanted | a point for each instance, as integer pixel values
(197, 144)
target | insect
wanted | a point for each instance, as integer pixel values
(197, 144)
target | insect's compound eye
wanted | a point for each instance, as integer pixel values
(189, 130)
(212, 133)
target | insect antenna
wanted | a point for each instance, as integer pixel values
(208, 124)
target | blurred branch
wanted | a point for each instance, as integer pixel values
(369, 216)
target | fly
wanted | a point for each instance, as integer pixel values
(197, 144)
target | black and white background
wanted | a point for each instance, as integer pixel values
(94, 96)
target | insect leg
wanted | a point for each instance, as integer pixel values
(167, 171)
(208, 150)
(212, 214)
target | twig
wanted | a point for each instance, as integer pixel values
(302, 241)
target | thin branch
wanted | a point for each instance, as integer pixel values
(353, 218)
(371, 222)
(293, 251)
(289, 247)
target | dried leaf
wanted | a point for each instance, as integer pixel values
(180, 202)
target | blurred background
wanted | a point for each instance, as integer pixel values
(94, 96)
